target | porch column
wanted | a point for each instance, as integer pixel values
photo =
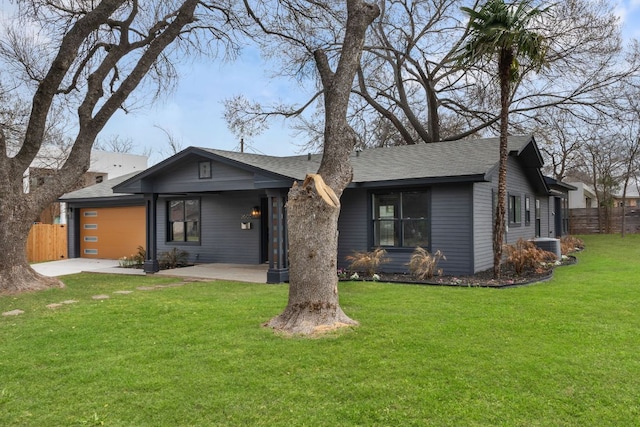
(278, 248)
(151, 262)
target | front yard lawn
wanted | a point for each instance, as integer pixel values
(559, 353)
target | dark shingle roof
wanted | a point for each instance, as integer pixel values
(466, 160)
(436, 160)
(102, 190)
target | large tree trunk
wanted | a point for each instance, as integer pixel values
(504, 71)
(313, 208)
(15, 273)
(313, 246)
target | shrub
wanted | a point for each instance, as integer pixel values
(570, 244)
(423, 265)
(525, 255)
(135, 261)
(140, 256)
(173, 259)
(367, 262)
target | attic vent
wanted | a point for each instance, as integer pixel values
(309, 156)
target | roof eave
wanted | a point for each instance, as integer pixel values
(419, 181)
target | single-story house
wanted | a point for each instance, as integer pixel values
(230, 207)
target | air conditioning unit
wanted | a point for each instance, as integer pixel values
(550, 245)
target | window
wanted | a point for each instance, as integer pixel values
(527, 210)
(515, 209)
(184, 220)
(537, 215)
(401, 219)
(204, 170)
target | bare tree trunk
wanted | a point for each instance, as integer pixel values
(313, 246)
(504, 70)
(16, 275)
(313, 208)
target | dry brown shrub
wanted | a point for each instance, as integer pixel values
(570, 244)
(525, 255)
(423, 265)
(367, 262)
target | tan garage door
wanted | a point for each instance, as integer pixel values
(111, 233)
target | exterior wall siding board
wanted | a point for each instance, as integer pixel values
(452, 227)
(221, 238)
(183, 177)
(353, 224)
(518, 185)
(482, 226)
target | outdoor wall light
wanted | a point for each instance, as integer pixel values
(255, 212)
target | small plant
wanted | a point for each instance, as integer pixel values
(570, 244)
(140, 256)
(134, 261)
(367, 262)
(342, 273)
(525, 255)
(173, 259)
(423, 265)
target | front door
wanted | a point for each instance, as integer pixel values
(557, 201)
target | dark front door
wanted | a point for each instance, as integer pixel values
(558, 218)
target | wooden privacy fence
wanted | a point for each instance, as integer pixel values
(47, 242)
(603, 220)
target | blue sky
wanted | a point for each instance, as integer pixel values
(193, 112)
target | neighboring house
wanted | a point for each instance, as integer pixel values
(632, 199)
(230, 207)
(582, 197)
(104, 165)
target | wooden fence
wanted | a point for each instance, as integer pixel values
(603, 220)
(47, 242)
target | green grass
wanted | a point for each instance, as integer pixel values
(559, 353)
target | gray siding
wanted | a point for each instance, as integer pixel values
(353, 224)
(452, 227)
(221, 238)
(482, 226)
(518, 185)
(183, 177)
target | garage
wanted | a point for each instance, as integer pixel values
(111, 232)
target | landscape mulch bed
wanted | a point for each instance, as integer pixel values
(484, 279)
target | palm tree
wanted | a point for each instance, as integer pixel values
(499, 30)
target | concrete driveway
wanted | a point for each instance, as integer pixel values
(75, 265)
(232, 272)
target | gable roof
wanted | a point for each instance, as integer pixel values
(453, 161)
(103, 190)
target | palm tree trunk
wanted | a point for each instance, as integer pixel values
(504, 71)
